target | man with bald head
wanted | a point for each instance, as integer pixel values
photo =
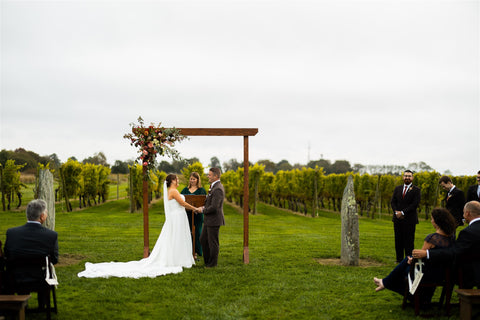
(467, 244)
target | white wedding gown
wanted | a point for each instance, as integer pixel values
(171, 253)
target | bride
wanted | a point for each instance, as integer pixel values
(171, 253)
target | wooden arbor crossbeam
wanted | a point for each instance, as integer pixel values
(245, 132)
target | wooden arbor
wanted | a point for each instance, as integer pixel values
(245, 132)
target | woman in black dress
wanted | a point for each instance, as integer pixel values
(444, 236)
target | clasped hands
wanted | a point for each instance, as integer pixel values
(198, 210)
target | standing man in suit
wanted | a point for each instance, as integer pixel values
(473, 192)
(32, 239)
(405, 201)
(214, 218)
(467, 243)
(454, 199)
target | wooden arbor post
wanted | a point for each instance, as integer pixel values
(146, 246)
(245, 132)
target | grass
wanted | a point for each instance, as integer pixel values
(284, 279)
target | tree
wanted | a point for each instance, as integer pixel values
(54, 160)
(269, 165)
(215, 163)
(322, 163)
(165, 166)
(232, 164)
(255, 173)
(10, 183)
(283, 165)
(69, 180)
(358, 168)
(198, 168)
(30, 159)
(120, 167)
(341, 166)
(98, 158)
(178, 165)
(419, 167)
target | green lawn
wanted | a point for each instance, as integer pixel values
(282, 281)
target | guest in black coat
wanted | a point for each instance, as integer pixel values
(467, 243)
(405, 201)
(32, 239)
(454, 199)
(473, 192)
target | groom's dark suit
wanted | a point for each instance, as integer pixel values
(467, 243)
(213, 219)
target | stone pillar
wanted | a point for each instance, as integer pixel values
(350, 233)
(47, 193)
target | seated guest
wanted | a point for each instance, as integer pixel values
(444, 224)
(467, 244)
(32, 239)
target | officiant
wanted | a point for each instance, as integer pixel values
(195, 188)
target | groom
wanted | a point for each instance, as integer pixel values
(213, 213)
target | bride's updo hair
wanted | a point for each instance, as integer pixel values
(170, 178)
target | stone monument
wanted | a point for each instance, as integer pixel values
(350, 232)
(46, 192)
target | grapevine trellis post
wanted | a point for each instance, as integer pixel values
(245, 132)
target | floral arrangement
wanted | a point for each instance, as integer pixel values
(152, 141)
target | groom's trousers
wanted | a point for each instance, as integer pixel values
(210, 245)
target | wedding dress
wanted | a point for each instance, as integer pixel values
(171, 253)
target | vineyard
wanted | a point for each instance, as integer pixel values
(305, 190)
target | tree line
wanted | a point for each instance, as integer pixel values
(30, 161)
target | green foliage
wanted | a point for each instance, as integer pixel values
(155, 180)
(28, 159)
(10, 184)
(198, 168)
(98, 158)
(121, 166)
(428, 183)
(255, 174)
(85, 181)
(135, 187)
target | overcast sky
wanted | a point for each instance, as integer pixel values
(371, 82)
